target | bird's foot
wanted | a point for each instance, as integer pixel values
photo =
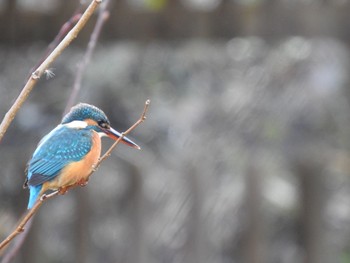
(62, 190)
(83, 182)
(43, 197)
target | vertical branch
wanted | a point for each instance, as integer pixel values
(102, 18)
(80, 21)
(195, 243)
(253, 237)
(10, 115)
(82, 196)
(312, 201)
(135, 216)
(63, 32)
(81, 226)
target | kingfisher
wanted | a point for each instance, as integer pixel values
(66, 156)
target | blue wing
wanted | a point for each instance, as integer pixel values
(60, 147)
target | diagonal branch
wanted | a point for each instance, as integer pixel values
(10, 115)
(14, 249)
(139, 121)
(20, 228)
(65, 28)
(102, 18)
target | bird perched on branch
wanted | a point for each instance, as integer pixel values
(67, 155)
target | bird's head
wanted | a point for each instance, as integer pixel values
(84, 115)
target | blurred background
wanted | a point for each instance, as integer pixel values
(245, 151)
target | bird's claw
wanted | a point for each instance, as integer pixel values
(63, 190)
(83, 182)
(43, 197)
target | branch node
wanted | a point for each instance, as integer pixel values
(36, 74)
(9, 116)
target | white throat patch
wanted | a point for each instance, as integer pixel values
(76, 124)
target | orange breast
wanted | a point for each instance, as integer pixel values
(77, 171)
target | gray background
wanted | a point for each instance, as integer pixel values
(245, 152)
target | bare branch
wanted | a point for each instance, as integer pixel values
(67, 26)
(13, 250)
(20, 228)
(10, 115)
(102, 18)
(139, 121)
(80, 21)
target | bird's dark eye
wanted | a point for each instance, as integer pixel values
(103, 124)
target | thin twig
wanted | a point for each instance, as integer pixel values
(20, 228)
(10, 115)
(102, 18)
(13, 250)
(67, 26)
(123, 134)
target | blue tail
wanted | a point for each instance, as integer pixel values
(34, 194)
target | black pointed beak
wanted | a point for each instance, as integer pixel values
(113, 134)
